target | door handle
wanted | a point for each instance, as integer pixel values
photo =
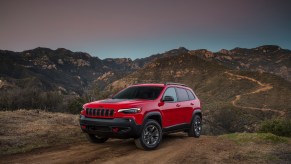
(191, 103)
(178, 105)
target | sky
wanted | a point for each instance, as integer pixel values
(139, 28)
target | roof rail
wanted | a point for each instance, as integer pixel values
(170, 83)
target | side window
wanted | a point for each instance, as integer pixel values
(190, 94)
(171, 92)
(182, 94)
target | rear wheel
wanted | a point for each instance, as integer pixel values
(150, 137)
(196, 127)
(96, 139)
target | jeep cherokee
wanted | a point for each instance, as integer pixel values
(144, 112)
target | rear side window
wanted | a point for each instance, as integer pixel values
(190, 94)
(182, 94)
(171, 92)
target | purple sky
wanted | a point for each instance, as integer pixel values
(135, 29)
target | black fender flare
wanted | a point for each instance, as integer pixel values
(153, 113)
(197, 111)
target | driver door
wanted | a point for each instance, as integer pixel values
(170, 109)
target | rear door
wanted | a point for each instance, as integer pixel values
(183, 105)
(193, 103)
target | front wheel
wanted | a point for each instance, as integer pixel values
(96, 139)
(196, 127)
(150, 137)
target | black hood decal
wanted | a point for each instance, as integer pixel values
(113, 100)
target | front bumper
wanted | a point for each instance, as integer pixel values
(111, 128)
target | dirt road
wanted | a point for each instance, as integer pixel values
(175, 148)
(263, 87)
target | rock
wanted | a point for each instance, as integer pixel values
(60, 61)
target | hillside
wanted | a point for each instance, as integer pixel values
(61, 70)
(268, 58)
(51, 78)
(57, 79)
(65, 71)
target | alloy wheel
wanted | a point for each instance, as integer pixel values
(151, 135)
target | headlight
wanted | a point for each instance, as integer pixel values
(130, 110)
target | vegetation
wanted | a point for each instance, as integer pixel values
(29, 97)
(255, 138)
(280, 127)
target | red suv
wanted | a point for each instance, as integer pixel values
(144, 112)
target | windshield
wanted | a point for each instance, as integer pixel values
(139, 92)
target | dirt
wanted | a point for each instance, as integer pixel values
(263, 88)
(175, 148)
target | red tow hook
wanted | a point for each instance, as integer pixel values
(115, 130)
(83, 127)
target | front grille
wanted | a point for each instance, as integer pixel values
(99, 112)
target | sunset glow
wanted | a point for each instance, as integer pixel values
(137, 29)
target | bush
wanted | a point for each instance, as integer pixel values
(280, 127)
(76, 105)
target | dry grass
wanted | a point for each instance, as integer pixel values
(24, 130)
(263, 138)
(259, 148)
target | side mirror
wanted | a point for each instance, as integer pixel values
(168, 98)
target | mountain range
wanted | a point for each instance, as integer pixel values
(71, 72)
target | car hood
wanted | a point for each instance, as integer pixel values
(112, 102)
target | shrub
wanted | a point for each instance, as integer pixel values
(76, 105)
(280, 127)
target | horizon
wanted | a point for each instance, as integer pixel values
(148, 54)
(131, 29)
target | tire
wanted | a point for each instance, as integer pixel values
(96, 139)
(150, 137)
(196, 127)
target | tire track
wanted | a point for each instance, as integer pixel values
(263, 88)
